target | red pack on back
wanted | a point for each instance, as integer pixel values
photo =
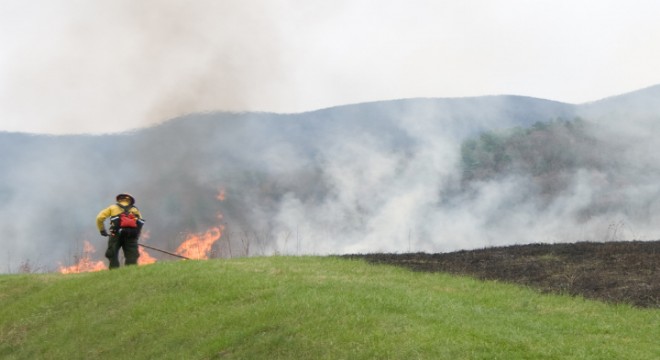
(127, 220)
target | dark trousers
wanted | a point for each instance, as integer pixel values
(127, 240)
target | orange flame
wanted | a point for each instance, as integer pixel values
(198, 246)
(221, 195)
(85, 264)
(145, 258)
(195, 246)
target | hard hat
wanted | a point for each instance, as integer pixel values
(132, 199)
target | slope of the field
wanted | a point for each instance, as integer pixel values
(306, 308)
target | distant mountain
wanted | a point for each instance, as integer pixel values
(372, 176)
(644, 103)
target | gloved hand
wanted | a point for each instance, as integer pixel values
(104, 233)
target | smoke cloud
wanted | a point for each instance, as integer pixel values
(68, 66)
(374, 177)
(384, 196)
(114, 65)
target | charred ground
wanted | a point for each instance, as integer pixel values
(614, 272)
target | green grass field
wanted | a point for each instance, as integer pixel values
(306, 308)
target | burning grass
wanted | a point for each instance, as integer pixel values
(84, 262)
(195, 247)
(199, 246)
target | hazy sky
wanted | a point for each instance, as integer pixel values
(77, 66)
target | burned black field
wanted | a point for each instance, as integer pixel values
(614, 272)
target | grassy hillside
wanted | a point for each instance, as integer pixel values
(306, 308)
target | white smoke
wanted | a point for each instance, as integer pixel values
(382, 199)
(71, 66)
(375, 177)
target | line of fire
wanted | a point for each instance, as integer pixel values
(195, 246)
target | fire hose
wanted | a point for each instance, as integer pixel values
(163, 251)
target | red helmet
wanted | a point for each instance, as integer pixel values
(129, 196)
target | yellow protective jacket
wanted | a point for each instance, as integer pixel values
(114, 210)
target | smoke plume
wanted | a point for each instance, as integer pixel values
(384, 176)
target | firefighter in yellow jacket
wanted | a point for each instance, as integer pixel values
(125, 224)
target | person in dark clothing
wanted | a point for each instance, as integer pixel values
(125, 224)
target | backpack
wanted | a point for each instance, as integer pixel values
(126, 220)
